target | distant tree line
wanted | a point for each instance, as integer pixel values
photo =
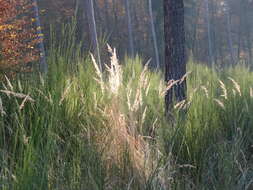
(218, 32)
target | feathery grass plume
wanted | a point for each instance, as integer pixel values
(2, 108)
(173, 82)
(115, 72)
(205, 90)
(122, 135)
(124, 138)
(170, 84)
(251, 92)
(180, 105)
(224, 90)
(98, 73)
(161, 88)
(220, 103)
(236, 86)
(142, 84)
(64, 94)
(184, 77)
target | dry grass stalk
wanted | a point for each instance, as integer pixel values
(251, 92)
(180, 105)
(236, 86)
(115, 72)
(64, 94)
(98, 73)
(23, 103)
(2, 108)
(123, 137)
(17, 95)
(122, 134)
(170, 84)
(205, 90)
(224, 90)
(184, 77)
(9, 83)
(220, 103)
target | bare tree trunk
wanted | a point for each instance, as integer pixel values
(130, 29)
(154, 34)
(43, 65)
(229, 32)
(248, 38)
(210, 48)
(195, 31)
(175, 59)
(93, 29)
(106, 12)
(239, 34)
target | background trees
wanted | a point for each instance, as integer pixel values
(226, 26)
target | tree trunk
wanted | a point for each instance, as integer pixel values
(229, 32)
(175, 59)
(210, 48)
(93, 29)
(154, 34)
(239, 34)
(130, 29)
(43, 64)
(195, 32)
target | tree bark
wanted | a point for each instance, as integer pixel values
(43, 64)
(175, 58)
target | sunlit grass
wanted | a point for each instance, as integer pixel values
(79, 128)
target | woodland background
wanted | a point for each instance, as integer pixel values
(218, 31)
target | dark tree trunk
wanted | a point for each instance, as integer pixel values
(175, 59)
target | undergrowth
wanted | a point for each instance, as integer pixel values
(80, 128)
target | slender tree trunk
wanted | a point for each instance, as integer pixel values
(130, 29)
(210, 48)
(239, 38)
(43, 64)
(154, 34)
(106, 7)
(195, 31)
(229, 32)
(248, 37)
(175, 59)
(93, 29)
(213, 12)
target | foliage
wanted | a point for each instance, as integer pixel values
(17, 35)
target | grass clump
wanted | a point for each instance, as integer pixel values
(80, 128)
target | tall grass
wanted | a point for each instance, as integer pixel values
(80, 128)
